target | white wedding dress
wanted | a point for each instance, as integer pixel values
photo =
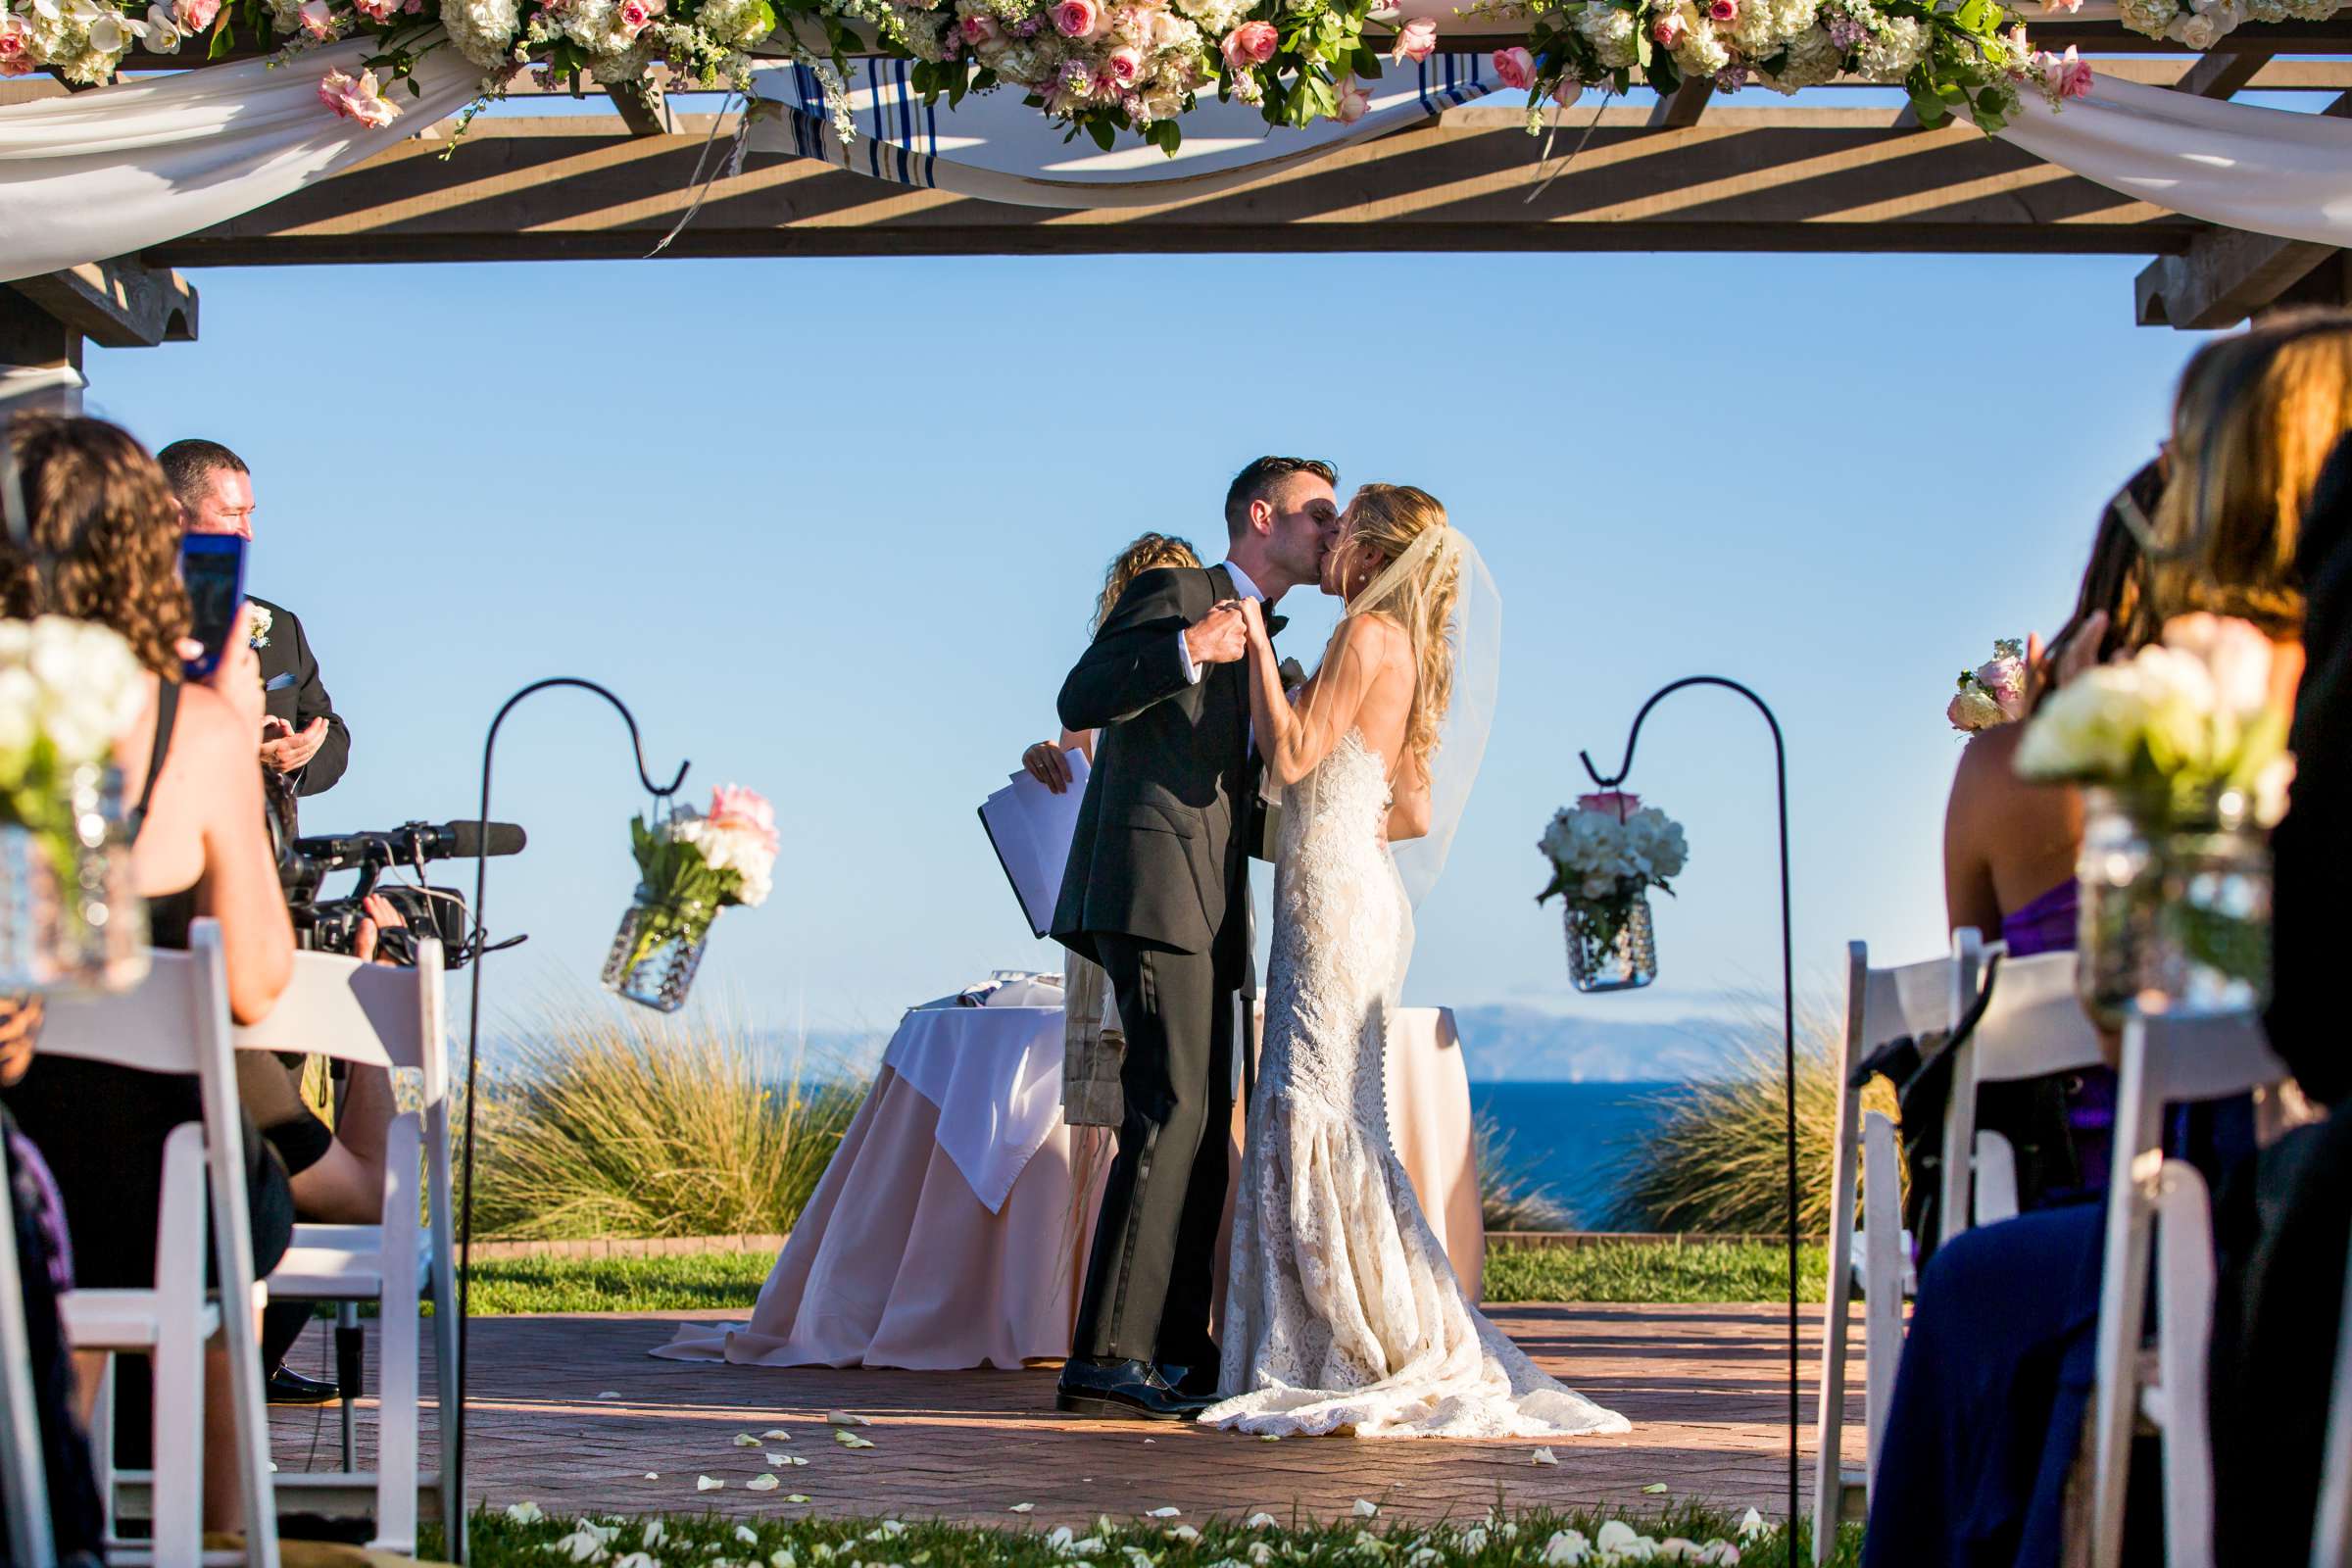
(1341, 1313)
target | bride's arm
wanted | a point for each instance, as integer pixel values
(1293, 740)
(1408, 810)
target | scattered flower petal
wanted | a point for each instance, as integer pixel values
(762, 1483)
(744, 1532)
(1021, 1507)
(779, 1433)
(1261, 1520)
(1751, 1525)
(743, 1439)
(653, 1475)
(1542, 1456)
(1164, 1513)
(799, 1497)
(653, 1530)
(843, 1418)
(708, 1483)
(609, 1393)
(525, 1512)
(851, 1439)
(1364, 1510)
(1656, 1489)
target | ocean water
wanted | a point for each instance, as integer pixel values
(1574, 1139)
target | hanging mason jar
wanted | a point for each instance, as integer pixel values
(657, 947)
(71, 917)
(2176, 906)
(1612, 945)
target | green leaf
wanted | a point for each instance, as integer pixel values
(1100, 129)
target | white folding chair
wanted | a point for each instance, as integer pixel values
(2032, 1026)
(24, 1480)
(176, 1021)
(381, 1016)
(2167, 1062)
(2332, 1532)
(1880, 1004)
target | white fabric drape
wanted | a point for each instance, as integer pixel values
(993, 147)
(2241, 166)
(112, 171)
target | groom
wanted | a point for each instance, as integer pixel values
(1157, 894)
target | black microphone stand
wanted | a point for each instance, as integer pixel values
(1779, 765)
(453, 1508)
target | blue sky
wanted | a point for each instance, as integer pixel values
(832, 528)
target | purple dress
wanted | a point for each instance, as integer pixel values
(2046, 924)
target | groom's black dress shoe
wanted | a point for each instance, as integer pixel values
(1194, 1382)
(289, 1387)
(1132, 1391)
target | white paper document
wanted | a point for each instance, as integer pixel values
(1031, 829)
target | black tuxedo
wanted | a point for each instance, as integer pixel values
(1157, 893)
(289, 653)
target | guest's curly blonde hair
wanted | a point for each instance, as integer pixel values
(1390, 518)
(1149, 550)
(100, 507)
(2256, 418)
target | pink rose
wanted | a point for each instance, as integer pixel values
(1723, 10)
(1124, 67)
(981, 30)
(1667, 31)
(358, 98)
(1417, 39)
(1253, 43)
(377, 10)
(17, 64)
(1615, 803)
(316, 20)
(196, 15)
(636, 15)
(2072, 73)
(1354, 99)
(1077, 18)
(1516, 66)
(737, 809)
(12, 38)
(1566, 91)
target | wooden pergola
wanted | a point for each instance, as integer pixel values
(1690, 172)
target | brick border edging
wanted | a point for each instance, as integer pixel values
(690, 1245)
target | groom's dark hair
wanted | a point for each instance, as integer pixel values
(1252, 483)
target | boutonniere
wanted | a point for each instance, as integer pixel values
(257, 625)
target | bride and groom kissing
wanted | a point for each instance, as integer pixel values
(1341, 1313)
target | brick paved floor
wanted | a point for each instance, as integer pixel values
(1704, 1386)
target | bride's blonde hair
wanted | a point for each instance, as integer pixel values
(1390, 518)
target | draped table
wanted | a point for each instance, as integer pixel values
(950, 1228)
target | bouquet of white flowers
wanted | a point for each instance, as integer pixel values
(1605, 855)
(66, 689)
(2187, 722)
(690, 865)
(1993, 693)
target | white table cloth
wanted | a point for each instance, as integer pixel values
(950, 1228)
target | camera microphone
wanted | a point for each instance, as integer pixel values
(417, 841)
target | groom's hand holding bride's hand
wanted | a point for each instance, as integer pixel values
(1220, 637)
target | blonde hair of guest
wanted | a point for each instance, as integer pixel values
(1149, 550)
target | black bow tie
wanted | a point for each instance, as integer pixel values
(1275, 623)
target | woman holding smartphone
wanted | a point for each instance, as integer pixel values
(99, 510)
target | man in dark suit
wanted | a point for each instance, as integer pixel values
(303, 738)
(1157, 894)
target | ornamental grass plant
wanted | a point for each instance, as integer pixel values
(612, 1121)
(1509, 1198)
(1716, 1162)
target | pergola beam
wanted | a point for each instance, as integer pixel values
(1689, 103)
(2222, 76)
(117, 304)
(529, 188)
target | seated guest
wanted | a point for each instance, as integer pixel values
(2283, 1225)
(1988, 1406)
(99, 506)
(2009, 848)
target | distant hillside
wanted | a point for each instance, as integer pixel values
(1506, 1044)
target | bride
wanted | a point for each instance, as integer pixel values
(1341, 1313)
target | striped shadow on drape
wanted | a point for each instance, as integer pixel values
(993, 147)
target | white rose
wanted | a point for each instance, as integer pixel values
(2196, 31)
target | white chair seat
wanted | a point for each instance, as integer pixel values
(122, 1320)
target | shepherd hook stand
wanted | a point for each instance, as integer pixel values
(453, 1510)
(1780, 766)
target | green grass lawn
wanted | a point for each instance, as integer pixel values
(1611, 1271)
(1479, 1539)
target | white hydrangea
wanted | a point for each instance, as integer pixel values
(1763, 25)
(1700, 51)
(725, 851)
(737, 24)
(1889, 53)
(2149, 18)
(483, 31)
(1611, 32)
(73, 682)
(1814, 57)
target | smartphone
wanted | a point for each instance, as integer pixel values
(212, 567)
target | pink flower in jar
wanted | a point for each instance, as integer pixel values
(978, 29)
(1610, 802)
(1253, 43)
(1124, 66)
(1417, 39)
(1355, 99)
(196, 15)
(737, 809)
(1667, 31)
(1516, 66)
(1077, 18)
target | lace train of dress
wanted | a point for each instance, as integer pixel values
(1341, 1313)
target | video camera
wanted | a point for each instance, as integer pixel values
(332, 925)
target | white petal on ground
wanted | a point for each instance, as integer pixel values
(1261, 1521)
(843, 1418)
(609, 1393)
(1542, 1456)
(1021, 1507)
(743, 1439)
(779, 1433)
(744, 1532)
(653, 1530)
(1166, 1513)
(1366, 1510)
(796, 1496)
(1656, 1489)
(708, 1483)
(850, 1440)
(762, 1483)
(525, 1512)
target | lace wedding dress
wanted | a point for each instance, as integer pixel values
(1342, 1311)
